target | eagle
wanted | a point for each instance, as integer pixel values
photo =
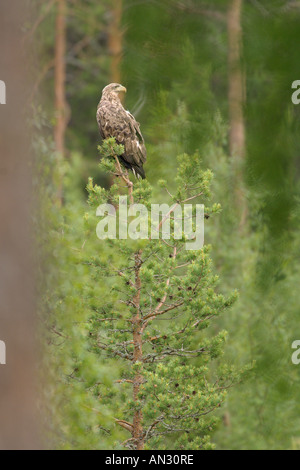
(114, 121)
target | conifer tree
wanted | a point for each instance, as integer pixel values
(153, 319)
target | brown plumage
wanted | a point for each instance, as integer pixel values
(114, 121)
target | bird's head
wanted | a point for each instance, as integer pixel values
(113, 89)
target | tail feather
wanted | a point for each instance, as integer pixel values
(138, 171)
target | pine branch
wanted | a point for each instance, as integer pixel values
(125, 425)
(125, 178)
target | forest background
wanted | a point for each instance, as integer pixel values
(209, 76)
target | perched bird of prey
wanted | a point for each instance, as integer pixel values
(114, 121)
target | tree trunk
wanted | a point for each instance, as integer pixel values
(137, 433)
(236, 99)
(236, 81)
(60, 80)
(115, 40)
(18, 397)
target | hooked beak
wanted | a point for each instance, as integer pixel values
(122, 88)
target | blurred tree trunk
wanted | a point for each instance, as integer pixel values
(236, 81)
(18, 397)
(59, 85)
(236, 97)
(115, 46)
(115, 40)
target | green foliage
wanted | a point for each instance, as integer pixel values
(174, 65)
(178, 392)
(73, 417)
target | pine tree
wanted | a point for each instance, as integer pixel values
(160, 300)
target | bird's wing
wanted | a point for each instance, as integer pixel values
(106, 118)
(114, 121)
(138, 137)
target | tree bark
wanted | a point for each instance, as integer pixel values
(115, 41)
(137, 434)
(236, 99)
(236, 80)
(19, 428)
(59, 85)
